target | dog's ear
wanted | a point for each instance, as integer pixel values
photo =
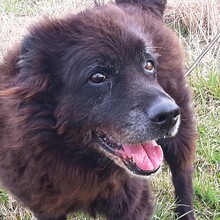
(38, 63)
(37, 55)
(156, 6)
(26, 45)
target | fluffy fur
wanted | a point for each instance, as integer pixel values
(49, 158)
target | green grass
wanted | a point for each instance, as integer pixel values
(3, 197)
(18, 7)
(207, 176)
(205, 84)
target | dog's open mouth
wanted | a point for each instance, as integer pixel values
(142, 159)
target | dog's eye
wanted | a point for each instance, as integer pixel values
(97, 78)
(149, 66)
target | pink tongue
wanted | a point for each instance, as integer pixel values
(147, 156)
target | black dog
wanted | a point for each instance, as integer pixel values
(86, 101)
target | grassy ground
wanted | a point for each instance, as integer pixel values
(196, 22)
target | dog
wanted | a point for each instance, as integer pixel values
(89, 104)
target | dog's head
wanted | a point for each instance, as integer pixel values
(100, 67)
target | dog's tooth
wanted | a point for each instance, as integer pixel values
(105, 139)
(132, 161)
(119, 146)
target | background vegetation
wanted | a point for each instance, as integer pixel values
(196, 22)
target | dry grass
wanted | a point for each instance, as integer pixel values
(197, 23)
(199, 18)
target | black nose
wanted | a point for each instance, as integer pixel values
(164, 114)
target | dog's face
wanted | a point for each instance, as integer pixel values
(107, 63)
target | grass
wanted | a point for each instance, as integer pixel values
(207, 175)
(196, 22)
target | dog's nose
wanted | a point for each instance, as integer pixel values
(164, 114)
